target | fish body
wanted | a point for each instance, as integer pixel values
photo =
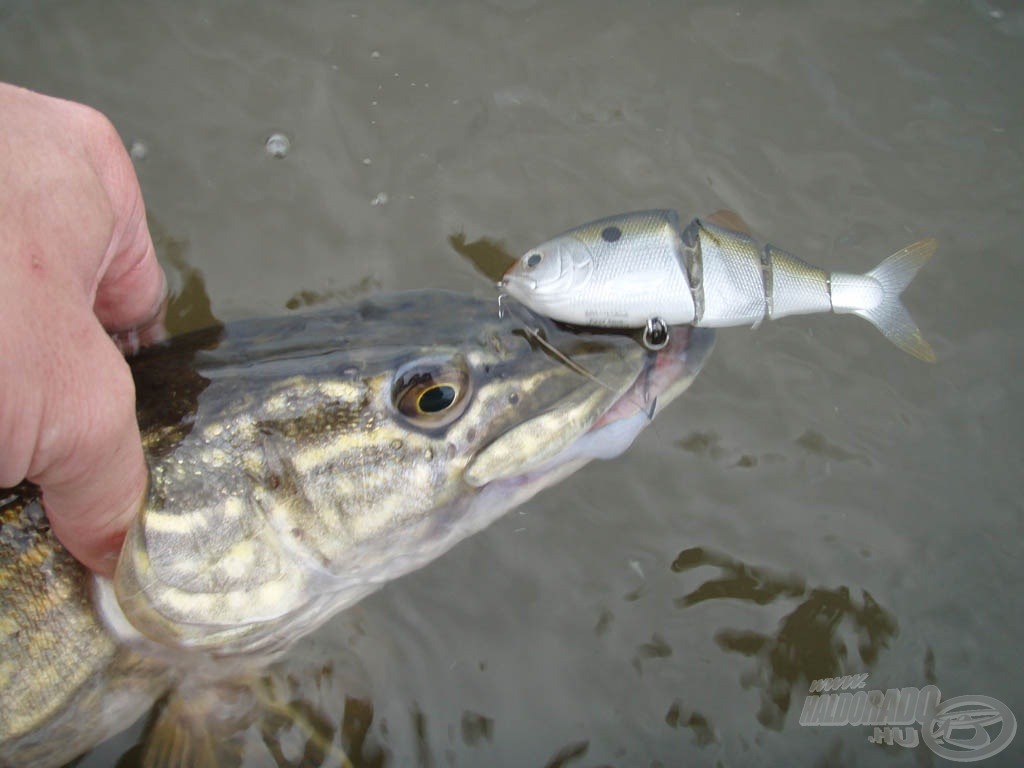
(623, 271)
(296, 465)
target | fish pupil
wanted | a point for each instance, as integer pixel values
(533, 259)
(436, 398)
(611, 234)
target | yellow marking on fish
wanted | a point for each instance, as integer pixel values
(140, 559)
(275, 404)
(237, 602)
(319, 455)
(232, 507)
(345, 486)
(215, 457)
(227, 608)
(282, 517)
(175, 602)
(273, 593)
(342, 390)
(8, 626)
(181, 523)
(36, 555)
(239, 559)
(272, 597)
(252, 464)
(335, 451)
(381, 515)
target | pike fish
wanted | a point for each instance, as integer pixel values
(641, 269)
(296, 465)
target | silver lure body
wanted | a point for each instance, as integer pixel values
(623, 271)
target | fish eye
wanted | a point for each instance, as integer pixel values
(534, 259)
(431, 394)
(611, 234)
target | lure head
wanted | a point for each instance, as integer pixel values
(616, 272)
(545, 276)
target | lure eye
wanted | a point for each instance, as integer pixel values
(611, 234)
(431, 395)
(534, 259)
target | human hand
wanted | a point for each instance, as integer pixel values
(76, 262)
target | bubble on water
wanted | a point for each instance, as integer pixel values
(367, 161)
(375, 54)
(278, 145)
(138, 150)
(380, 199)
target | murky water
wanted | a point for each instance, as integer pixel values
(818, 504)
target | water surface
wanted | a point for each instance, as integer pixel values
(818, 504)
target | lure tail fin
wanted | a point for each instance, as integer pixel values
(890, 316)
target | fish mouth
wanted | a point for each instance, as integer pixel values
(663, 376)
(660, 371)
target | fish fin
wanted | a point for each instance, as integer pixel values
(202, 725)
(176, 739)
(221, 725)
(890, 316)
(729, 220)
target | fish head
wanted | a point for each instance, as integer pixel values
(319, 457)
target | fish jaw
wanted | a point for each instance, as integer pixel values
(666, 375)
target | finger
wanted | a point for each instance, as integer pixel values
(131, 286)
(89, 460)
(91, 518)
(133, 305)
(131, 292)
